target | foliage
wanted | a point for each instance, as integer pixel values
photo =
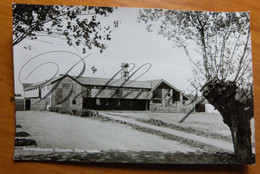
(77, 25)
(221, 39)
(223, 71)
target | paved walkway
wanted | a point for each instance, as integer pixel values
(210, 141)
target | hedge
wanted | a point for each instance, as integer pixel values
(70, 111)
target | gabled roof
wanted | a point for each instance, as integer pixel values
(93, 81)
(156, 83)
(114, 82)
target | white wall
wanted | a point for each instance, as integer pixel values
(45, 90)
(31, 93)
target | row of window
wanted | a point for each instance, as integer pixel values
(98, 102)
(118, 102)
(38, 87)
(116, 88)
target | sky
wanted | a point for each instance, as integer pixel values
(130, 43)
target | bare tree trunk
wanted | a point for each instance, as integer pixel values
(241, 135)
(236, 111)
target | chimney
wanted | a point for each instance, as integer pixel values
(124, 72)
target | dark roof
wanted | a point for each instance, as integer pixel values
(114, 82)
(93, 81)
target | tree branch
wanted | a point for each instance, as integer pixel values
(243, 56)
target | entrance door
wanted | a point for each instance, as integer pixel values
(28, 104)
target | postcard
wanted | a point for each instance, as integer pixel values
(132, 85)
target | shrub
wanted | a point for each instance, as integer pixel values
(77, 112)
(86, 113)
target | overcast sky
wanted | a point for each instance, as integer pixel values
(131, 43)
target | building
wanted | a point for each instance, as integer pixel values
(106, 94)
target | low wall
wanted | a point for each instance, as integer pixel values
(36, 104)
(19, 104)
(179, 108)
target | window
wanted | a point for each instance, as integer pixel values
(59, 92)
(157, 93)
(106, 102)
(168, 92)
(98, 102)
(58, 96)
(118, 102)
(65, 86)
(118, 93)
(131, 103)
(175, 97)
(74, 102)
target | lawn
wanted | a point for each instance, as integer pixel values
(212, 122)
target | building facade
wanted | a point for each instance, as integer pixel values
(106, 94)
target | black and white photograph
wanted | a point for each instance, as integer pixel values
(132, 85)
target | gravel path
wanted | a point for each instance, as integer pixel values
(226, 146)
(52, 130)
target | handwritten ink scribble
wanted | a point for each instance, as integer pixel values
(143, 69)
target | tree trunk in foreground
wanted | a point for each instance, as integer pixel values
(237, 110)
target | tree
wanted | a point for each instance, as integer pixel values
(223, 71)
(78, 25)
